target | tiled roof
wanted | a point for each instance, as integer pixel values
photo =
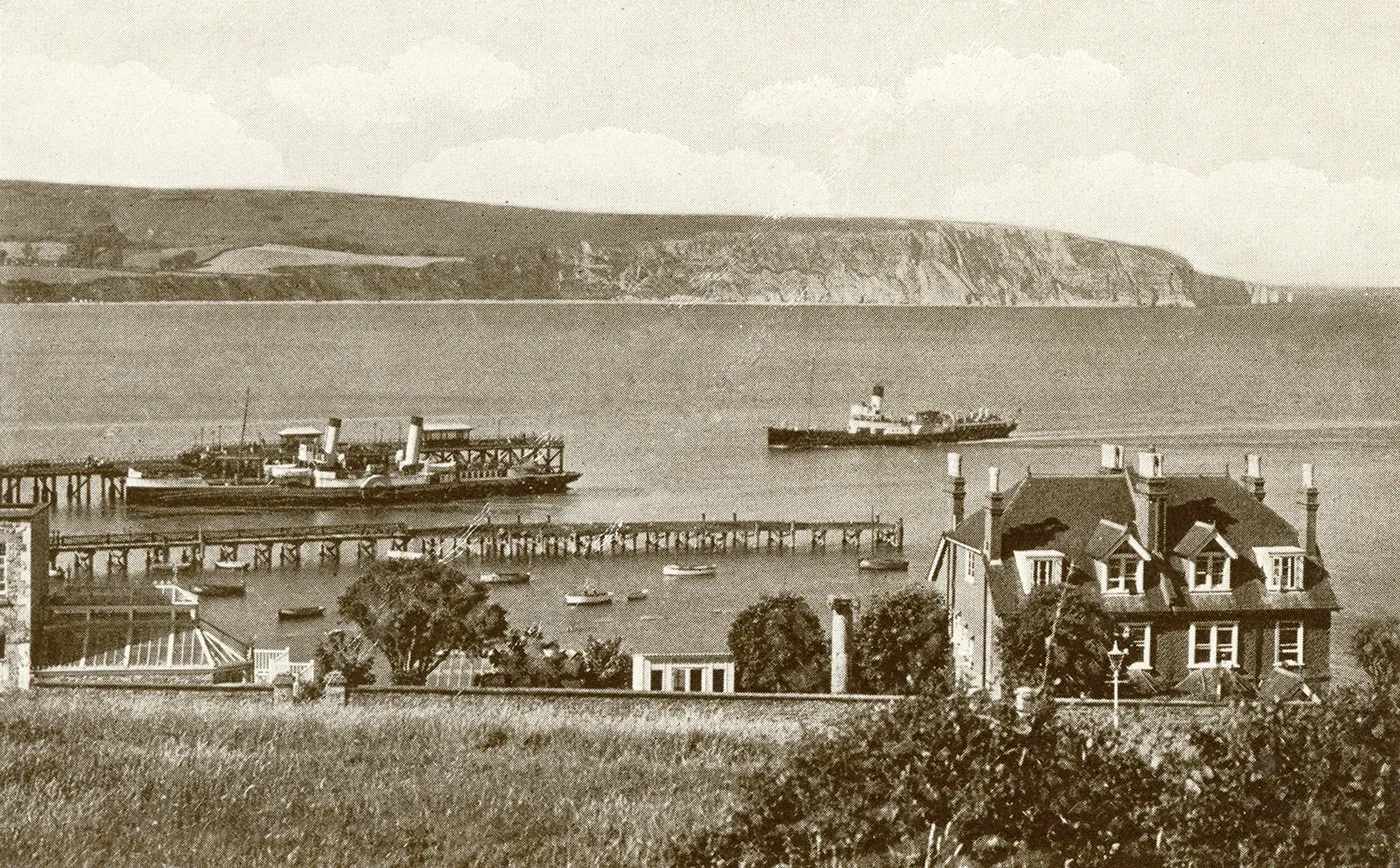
(1070, 514)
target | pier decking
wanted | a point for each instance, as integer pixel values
(79, 555)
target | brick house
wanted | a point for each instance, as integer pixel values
(1213, 592)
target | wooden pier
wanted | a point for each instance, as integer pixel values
(83, 556)
(84, 481)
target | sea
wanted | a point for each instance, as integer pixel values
(663, 408)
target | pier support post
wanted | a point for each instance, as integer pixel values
(329, 553)
(228, 551)
(364, 551)
(262, 556)
(82, 565)
(116, 562)
(291, 554)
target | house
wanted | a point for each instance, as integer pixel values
(1212, 590)
(684, 673)
(55, 631)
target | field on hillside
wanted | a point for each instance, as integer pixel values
(113, 779)
(266, 257)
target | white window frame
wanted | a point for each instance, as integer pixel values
(4, 568)
(1212, 641)
(1128, 581)
(1296, 627)
(1144, 660)
(1044, 571)
(1289, 566)
(969, 569)
(1203, 563)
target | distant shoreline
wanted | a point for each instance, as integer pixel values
(655, 302)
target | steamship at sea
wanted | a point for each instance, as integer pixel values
(869, 425)
(310, 468)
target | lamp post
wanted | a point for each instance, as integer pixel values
(1115, 660)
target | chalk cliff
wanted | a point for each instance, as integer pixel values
(514, 253)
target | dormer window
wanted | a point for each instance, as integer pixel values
(1210, 571)
(1286, 573)
(1123, 574)
(1282, 567)
(1040, 568)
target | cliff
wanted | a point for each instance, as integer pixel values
(500, 252)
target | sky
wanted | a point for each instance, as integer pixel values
(1257, 139)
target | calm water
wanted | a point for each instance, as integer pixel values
(663, 409)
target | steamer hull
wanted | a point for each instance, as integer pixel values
(817, 438)
(275, 496)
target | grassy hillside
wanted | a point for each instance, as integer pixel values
(517, 253)
(180, 780)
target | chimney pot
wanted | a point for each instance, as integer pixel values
(1308, 479)
(993, 480)
(1253, 467)
(954, 464)
(1111, 457)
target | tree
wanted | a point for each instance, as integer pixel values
(417, 612)
(901, 643)
(100, 245)
(1376, 647)
(350, 654)
(779, 647)
(1058, 641)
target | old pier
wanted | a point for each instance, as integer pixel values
(84, 556)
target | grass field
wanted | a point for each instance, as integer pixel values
(112, 779)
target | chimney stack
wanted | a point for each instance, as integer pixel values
(957, 486)
(877, 396)
(841, 611)
(991, 541)
(1254, 476)
(1111, 458)
(332, 438)
(1150, 467)
(1310, 509)
(415, 439)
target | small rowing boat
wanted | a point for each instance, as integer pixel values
(688, 570)
(219, 589)
(504, 578)
(639, 594)
(301, 613)
(401, 555)
(884, 565)
(232, 565)
(587, 597)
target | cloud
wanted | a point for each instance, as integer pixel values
(995, 78)
(122, 124)
(1269, 221)
(612, 169)
(817, 100)
(441, 75)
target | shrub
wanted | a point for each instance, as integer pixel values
(901, 643)
(351, 654)
(525, 658)
(1058, 641)
(1376, 647)
(779, 647)
(992, 781)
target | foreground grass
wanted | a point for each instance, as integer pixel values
(107, 779)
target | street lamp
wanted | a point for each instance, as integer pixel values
(1115, 660)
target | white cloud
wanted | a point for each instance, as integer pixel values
(612, 169)
(1269, 221)
(817, 100)
(441, 75)
(995, 78)
(122, 124)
